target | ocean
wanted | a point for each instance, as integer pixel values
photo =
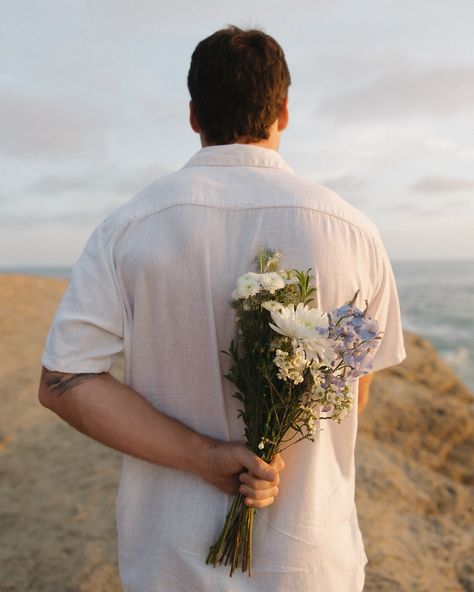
(436, 301)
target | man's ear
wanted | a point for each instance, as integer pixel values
(283, 116)
(193, 119)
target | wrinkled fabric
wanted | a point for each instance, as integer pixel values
(155, 280)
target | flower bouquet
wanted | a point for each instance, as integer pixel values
(291, 365)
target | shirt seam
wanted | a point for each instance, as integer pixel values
(147, 214)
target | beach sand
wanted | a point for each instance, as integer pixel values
(57, 488)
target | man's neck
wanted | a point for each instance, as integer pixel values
(272, 142)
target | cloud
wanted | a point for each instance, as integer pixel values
(18, 220)
(200, 19)
(342, 183)
(53, 185)
(442, 184)
(53, 127)
(106, 179)
(347, 185)
(422, 208)
(397, 207)
(406, 92)
(75, 199)
(138, 179)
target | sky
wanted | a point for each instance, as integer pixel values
(94, 107)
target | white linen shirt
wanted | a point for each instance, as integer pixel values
(155, 281)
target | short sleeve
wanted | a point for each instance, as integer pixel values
(384, 307)
(87, 331)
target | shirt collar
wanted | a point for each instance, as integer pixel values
(238, 155)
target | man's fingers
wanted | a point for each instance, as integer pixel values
(277, 462)
(255, 483)
(226, 461)
(259, 484)
(257, 466)
(259, 503)
(260, 494)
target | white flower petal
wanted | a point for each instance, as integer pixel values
(299, 323)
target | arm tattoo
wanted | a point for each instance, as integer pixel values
(60, 382)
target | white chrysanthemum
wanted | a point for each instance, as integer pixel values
(299, 323)
(247, 285)
(271, 305)
(304, 324)
(250, 275)
(272, 281)
(319, 348)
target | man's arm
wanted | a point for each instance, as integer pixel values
(112, 413)
(364, 385)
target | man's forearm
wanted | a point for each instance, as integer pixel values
(364, 386)
(116, 415)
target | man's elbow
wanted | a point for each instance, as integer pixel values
(52, 388)
(54, 385)
(44, 395)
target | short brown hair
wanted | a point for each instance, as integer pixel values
(238, 81)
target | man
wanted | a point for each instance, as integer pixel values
(155, 281)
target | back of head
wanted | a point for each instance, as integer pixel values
(238, 81)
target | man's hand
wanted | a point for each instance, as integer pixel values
(116, 415)
(258, 479)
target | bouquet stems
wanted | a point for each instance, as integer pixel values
(234, 544)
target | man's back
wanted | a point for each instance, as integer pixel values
(156, 279)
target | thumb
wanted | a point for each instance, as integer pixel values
(255, 464)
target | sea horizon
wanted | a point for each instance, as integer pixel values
(65, 270)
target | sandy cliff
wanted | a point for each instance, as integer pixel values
(415, 477)
(57, 488)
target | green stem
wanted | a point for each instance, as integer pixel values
(234, 544)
